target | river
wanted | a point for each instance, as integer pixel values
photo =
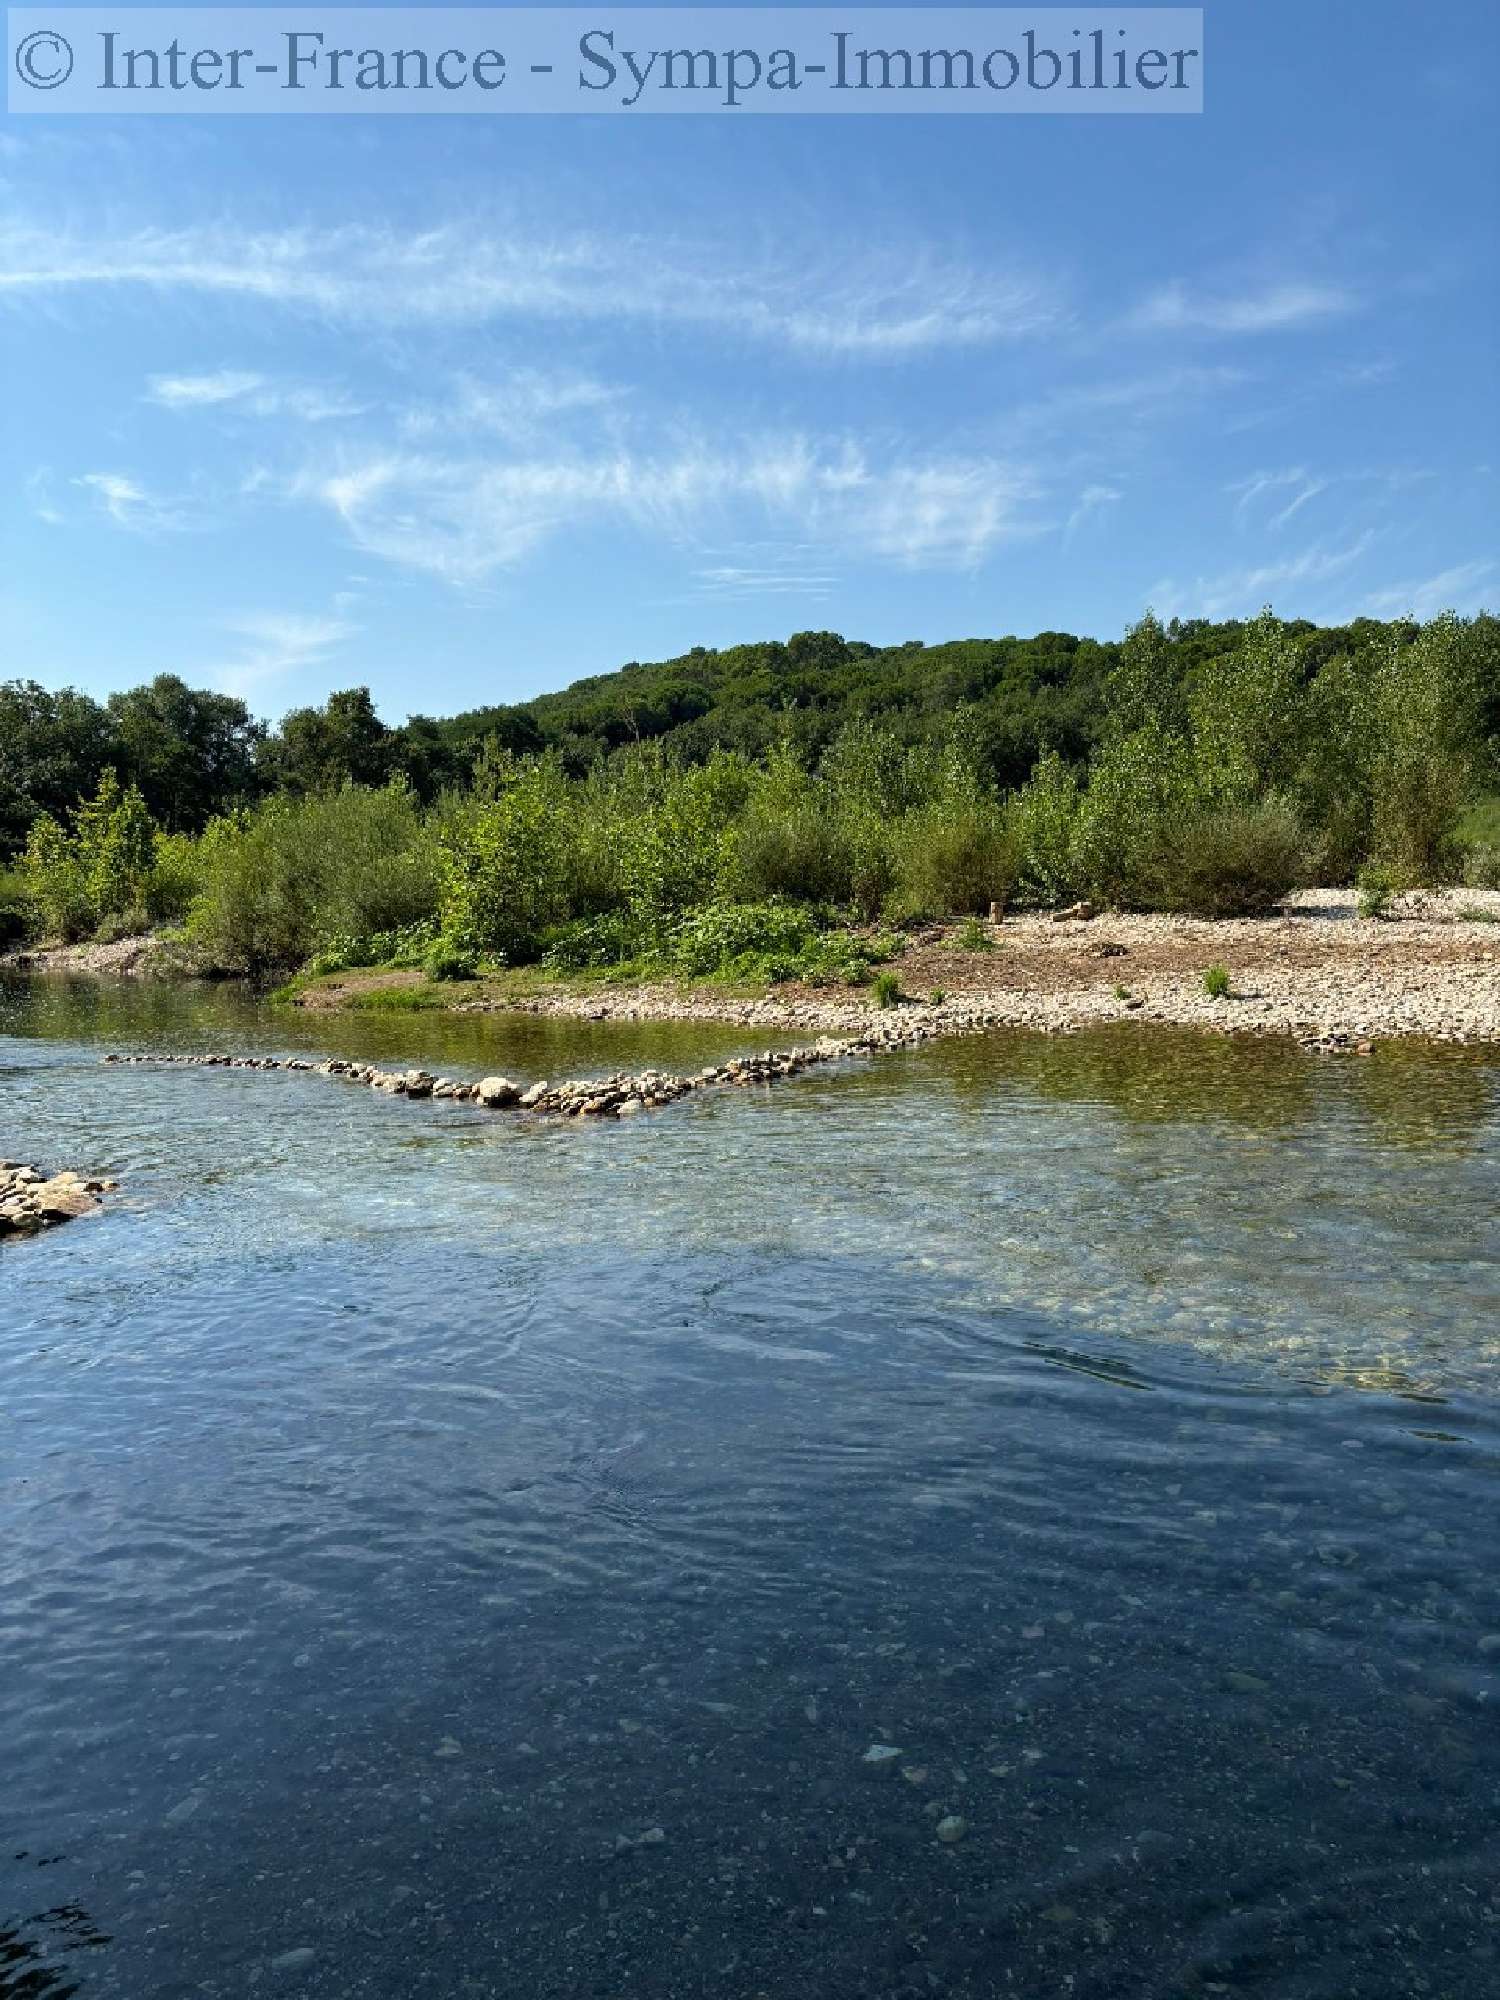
(448, 1554)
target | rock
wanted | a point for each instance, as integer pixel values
(951, 1829)
(533, 1095)
(882, 1757)
(296, 1960)
(1076, 913)
(59, 1200)
(630, 1107)
(497, 1091)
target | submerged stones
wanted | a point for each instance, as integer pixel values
(617, 1096)
(31, 1200)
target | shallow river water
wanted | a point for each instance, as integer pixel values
(445, 1554)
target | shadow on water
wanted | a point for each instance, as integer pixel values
(39, 1956)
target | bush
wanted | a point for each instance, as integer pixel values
(1237, 861)
(743, 939)
(954, 860)
(348, 876)
(1216, 982)
(445, 960)
(972, 936)
(885, 988)
(1378, 887)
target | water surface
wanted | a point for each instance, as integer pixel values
(447, 1554)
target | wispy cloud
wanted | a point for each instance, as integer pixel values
(1297, 481)
(520, 404)
(873, 306)
(129, 505)
(237, 389)
(1175, 308)
(1242, 592)
(272, 644)
(466, 519)
(1093, 500)
(1467, 587)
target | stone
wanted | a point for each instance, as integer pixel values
(60, 1200)
(533, 1095)
(882, 1757)
(951, 1829)
(497, 1091)
(630, 1107)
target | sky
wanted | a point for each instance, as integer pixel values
(464, 408)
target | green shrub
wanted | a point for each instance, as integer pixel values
(885, 988)
(1230, 861)
(348, 876)
(972, 936)
(1482, 867)
(954, 859)
(1216, 982)
(1378, 887)
(445, 960)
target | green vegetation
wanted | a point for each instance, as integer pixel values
(768, 813)
(1216, 982)
(1378, 887)
(885, 989)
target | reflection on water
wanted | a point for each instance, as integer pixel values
(446, 1555)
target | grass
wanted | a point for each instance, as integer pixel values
(1216, 982)
(1122, 992)
(972, 936)
(886, 989)
(1471, 913)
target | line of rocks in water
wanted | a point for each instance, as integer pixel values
(617, 1096)
(31, 1200)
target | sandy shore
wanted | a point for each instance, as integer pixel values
(1318, 972)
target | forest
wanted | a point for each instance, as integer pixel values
(748, 809)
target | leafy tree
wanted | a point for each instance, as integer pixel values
(192, 753)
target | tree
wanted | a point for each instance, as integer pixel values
(342, 743)
(192, 752)
(53, 749)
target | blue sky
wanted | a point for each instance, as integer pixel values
(464, 408)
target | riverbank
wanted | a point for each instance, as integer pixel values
(1317, 971)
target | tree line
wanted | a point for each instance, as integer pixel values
(1189, 765)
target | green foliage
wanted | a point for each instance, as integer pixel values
(504, 869)
(1226, 861)
(654, 817)
(1216, 982)
(1044, 830)
(1378, 887)
(1427, 701)
(297, 874)
(444, 961)
(885, 989)
(100, 871)
(972, 936)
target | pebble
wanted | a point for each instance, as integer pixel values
(951, 1829)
